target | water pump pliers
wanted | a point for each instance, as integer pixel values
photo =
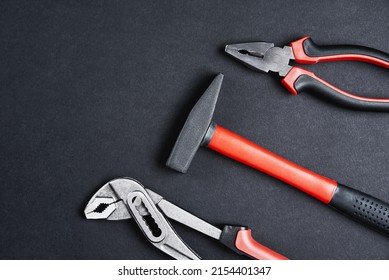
(125, 198)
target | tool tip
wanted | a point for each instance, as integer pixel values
(100, 208)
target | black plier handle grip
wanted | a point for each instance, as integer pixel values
(307, 52)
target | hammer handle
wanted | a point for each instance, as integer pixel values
(359, 206)
(240, 149)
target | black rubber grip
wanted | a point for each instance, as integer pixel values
(362, 207)
(313, 50)
(228, 237)
(306, 83)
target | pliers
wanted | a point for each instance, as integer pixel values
(125, 198)
(266, 57)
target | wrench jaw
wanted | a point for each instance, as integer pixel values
(100, 207)
(106, 204)
(126, 198)
(109, 202)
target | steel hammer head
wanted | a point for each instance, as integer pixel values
(195, 128)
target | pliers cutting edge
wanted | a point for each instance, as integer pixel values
(265, 57)
(125, 198)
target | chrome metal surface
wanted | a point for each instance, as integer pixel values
(180, 215)
(262, 56)
(124, 198)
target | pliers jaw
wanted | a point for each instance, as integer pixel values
(105, 204)
(262, 56)
(125, 198)
(109, 202)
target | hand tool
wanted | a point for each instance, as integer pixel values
(125, 198)
(262, 56)
(200, 130)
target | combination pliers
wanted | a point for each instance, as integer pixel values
(265, 57)
(125, 198)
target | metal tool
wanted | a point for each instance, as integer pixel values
(264, 57)
(200, 130)
(125, 198)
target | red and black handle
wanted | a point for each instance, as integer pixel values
(240, 240)
(359, 206)
(307, 52)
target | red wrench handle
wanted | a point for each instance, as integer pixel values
(246, 244)
(239, 239)
(245, 151)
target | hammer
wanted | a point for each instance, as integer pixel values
(200, 130)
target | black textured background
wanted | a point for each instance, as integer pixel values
(93, 90)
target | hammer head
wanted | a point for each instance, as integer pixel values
(195, 128)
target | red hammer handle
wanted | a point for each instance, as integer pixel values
(240, 149)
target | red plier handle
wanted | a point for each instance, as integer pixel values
(240, 240)
(307, 52)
